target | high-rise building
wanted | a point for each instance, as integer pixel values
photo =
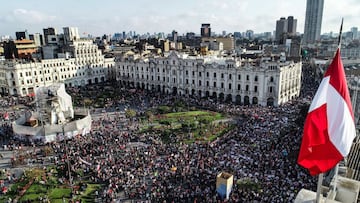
(313, 19)
(205, 30)
(285, 27)
(48, 31)
(281, 28)
(291, 25)
(249, 34)
(354, 31)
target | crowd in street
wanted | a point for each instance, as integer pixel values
(261, 149)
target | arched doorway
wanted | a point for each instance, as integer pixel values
(246, 100)
(228, 98)
(221, 96)
(214, 95)
(238, 99)
(96, 80)
(174, 91)
(270, 101)
(255, 100)
(207, 94)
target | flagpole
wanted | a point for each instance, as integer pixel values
(318, 190)
(337, 165)
(340, 33)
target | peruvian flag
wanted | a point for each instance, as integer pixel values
(329, 128)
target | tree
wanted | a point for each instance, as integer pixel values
(130, 113)
(149, 115)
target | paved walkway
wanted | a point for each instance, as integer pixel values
(5, 162)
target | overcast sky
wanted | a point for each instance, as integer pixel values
(110, 16)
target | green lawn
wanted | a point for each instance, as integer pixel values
(52, 189)
(200, 124)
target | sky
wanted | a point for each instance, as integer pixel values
(111, 16)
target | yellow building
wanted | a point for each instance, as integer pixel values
(227, 42)
(25, 48)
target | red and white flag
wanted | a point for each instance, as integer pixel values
(329, 128)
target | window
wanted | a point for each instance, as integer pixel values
(214, 75)
(247, 88)
(239, 77)
(207, 74)
(270, 89)
(271, 79)
(222, 85)
(174, 79)
(247, 77)
(222, 75)
(193, 73)
(229, 86)
(193, 82)
(199, 74)
(186, 73)
(255, 89)
(207, 83)
(187, 81)
(230, 76)
(239, 87)
(199, 82)
(256, 78)
(214, 84)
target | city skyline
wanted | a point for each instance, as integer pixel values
(98, 18)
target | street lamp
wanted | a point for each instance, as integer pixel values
(67, 158)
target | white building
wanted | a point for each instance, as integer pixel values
(264, 82)
(81, 64)
(71, 34)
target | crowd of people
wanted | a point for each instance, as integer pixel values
(261, 149)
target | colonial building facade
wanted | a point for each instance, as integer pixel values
(82, 64)
(260, 82)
